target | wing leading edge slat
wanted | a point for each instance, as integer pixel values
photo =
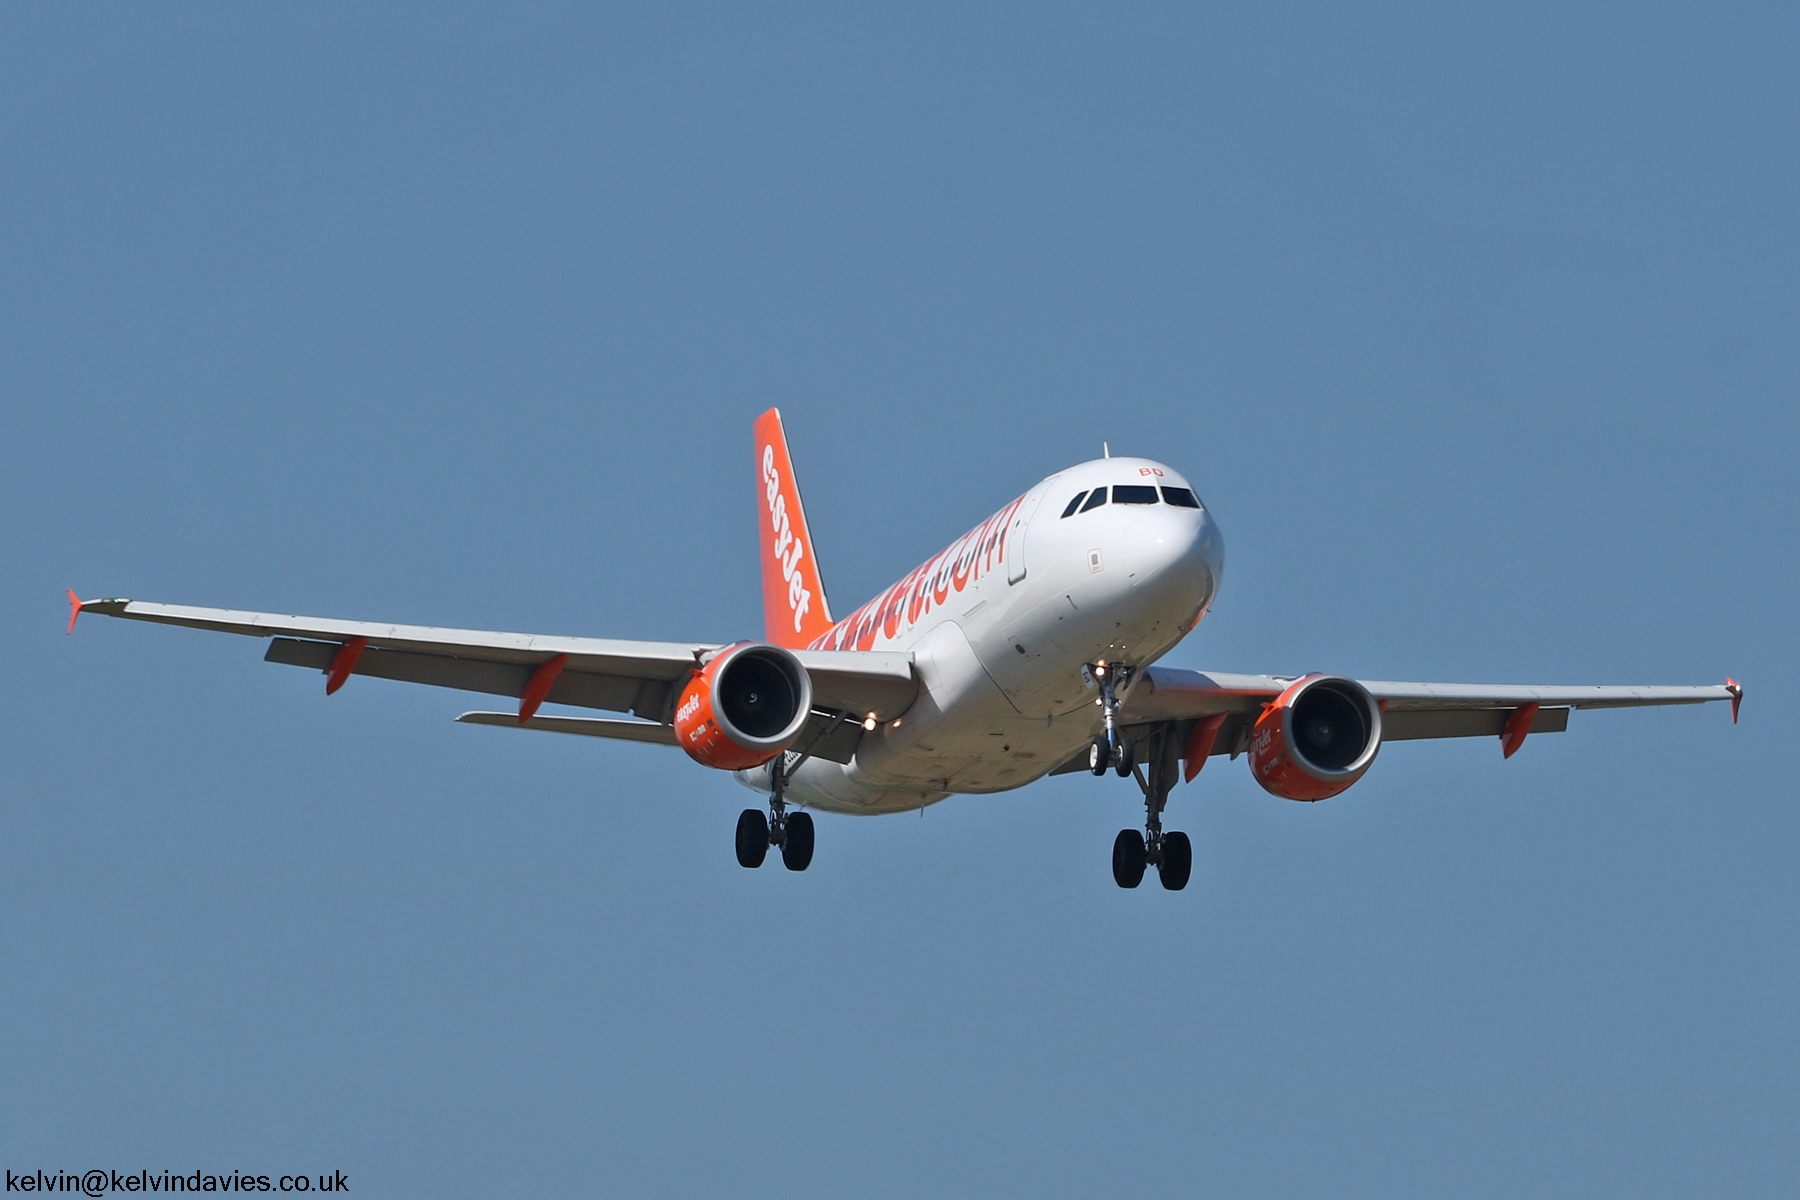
(1481, 695)
(1169, 692)
(622, 676)
(1411, 711)
(659, 660)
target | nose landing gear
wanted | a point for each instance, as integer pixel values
(793, 832)
(1112, 748)
(1118, 753)
(1171, 853)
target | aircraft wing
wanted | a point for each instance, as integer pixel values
(1409, 710)
(642, 678)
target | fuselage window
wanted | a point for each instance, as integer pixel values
(1074, 504)
(1134, 493)
(1180, 498)
(1095, 500)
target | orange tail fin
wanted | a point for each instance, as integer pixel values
(794, 608)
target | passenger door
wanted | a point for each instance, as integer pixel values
(1015, 537)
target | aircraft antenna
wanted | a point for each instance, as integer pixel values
(1105, 450)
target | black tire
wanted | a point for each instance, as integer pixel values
(1177, 861)
(797, 846)
(1128, 858)
(1123, 760)
(1099, 756)
(752, 837)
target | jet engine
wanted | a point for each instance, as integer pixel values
(1316, 738)
(744, 707)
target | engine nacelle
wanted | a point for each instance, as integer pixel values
(744, 707)
(1316, 739)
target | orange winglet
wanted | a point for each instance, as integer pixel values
(75, 611)
(1731, 685)
(1512, 735)
(344, 662)
(542, 680)
(1200, 744)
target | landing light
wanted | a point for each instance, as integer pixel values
(869, 722)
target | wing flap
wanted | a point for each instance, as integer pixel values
(826, 735)
(1407, 725)
(1168, 693)
(605, 727)
(861, 681)
(647, 698)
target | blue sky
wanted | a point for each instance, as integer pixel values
(1475, 329)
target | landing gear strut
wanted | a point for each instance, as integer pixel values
(793, 832)
(1171, 853)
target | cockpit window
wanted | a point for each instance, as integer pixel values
(1134, 493)
(1180, 498)
(1095, 500)
(1074, 504)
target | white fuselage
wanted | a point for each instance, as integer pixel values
(1000, 625)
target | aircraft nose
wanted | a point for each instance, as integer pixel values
(1179, 550)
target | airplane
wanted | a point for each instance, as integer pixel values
(1025, 648)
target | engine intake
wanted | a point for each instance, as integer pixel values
(1316, 739)
(744, 707)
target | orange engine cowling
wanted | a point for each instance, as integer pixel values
(1316, 738)
(744, 707)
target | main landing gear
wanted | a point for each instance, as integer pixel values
(1171, 853)
(793, 832)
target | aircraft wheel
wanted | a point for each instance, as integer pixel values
(1128, 858)
(1099, 756)
(752, 837)
(1177, 861)
(797, 846)
(1123, 760)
